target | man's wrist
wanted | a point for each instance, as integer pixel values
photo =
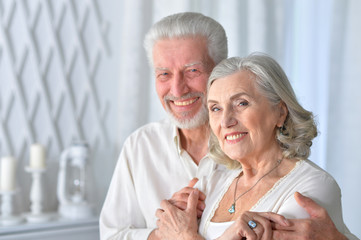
(193, 236)
(152, 236)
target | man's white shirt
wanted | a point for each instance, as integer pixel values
(151, 167)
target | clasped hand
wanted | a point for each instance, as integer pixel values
(175, 223)
(177, 219)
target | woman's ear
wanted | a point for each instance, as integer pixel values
(283, 111)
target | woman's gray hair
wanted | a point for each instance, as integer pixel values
(299, 129)
(189, 24)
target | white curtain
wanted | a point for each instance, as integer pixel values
(318, 43)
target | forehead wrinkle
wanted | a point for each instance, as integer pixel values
(240, 94)
(233, 97)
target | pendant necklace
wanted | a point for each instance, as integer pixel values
(232, 209)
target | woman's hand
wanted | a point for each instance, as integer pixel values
(180, 198)
(174, 223)
(263, 230)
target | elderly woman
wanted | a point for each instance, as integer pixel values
(263, 135)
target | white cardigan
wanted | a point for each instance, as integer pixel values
(306, 178)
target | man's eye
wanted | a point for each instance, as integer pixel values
(193, 72)
(163, 76)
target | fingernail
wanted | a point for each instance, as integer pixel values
(286, 222)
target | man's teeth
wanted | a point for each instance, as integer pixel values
(233, 137)
(185, 103)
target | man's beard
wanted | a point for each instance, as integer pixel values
(199, 119)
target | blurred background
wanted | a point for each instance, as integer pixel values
(76, 69)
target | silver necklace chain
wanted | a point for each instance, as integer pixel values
(232, 209)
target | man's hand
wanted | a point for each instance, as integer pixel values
(180, 198)
(319, 226)
(177, 224)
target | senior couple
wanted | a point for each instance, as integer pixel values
(235, 125)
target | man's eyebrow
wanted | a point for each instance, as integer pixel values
(192, 64)
(187, 65)
(160, 69)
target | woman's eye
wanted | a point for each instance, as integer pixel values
(243, 103)
(215, 109)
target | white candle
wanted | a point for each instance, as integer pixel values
(37, 156)
(8, 168)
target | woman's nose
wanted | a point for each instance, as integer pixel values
(228, 120)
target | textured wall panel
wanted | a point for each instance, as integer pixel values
(53, 56)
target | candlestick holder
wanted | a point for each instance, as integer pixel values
(36, 214)
(8, 217)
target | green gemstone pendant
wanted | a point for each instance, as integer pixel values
(232, 209)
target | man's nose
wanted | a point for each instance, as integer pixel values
(179, 85)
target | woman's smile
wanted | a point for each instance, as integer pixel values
(233, 138)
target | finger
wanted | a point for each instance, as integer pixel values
(245, 229)
(202, 196)
(293, 223)
(313, 209)
(192, 201)
(180, 199)
(247, 232)
(159, 212)
(199, 213)
(264, 227)
(286, 235)
(182, 195)
(201, 205)
(184, 192)
(167, 206)
(158, 223)
(158, 233)
(192, 182)
(276, 218)
(259, 229)
(182, 205)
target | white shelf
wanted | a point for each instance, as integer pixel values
(56, 229)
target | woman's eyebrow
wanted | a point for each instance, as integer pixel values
(237, 95)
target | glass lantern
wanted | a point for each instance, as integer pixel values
(72, 181)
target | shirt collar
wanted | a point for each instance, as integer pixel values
(176, 139)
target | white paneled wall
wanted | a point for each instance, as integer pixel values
(58, 82)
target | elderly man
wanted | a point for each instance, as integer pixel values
(160, 158)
